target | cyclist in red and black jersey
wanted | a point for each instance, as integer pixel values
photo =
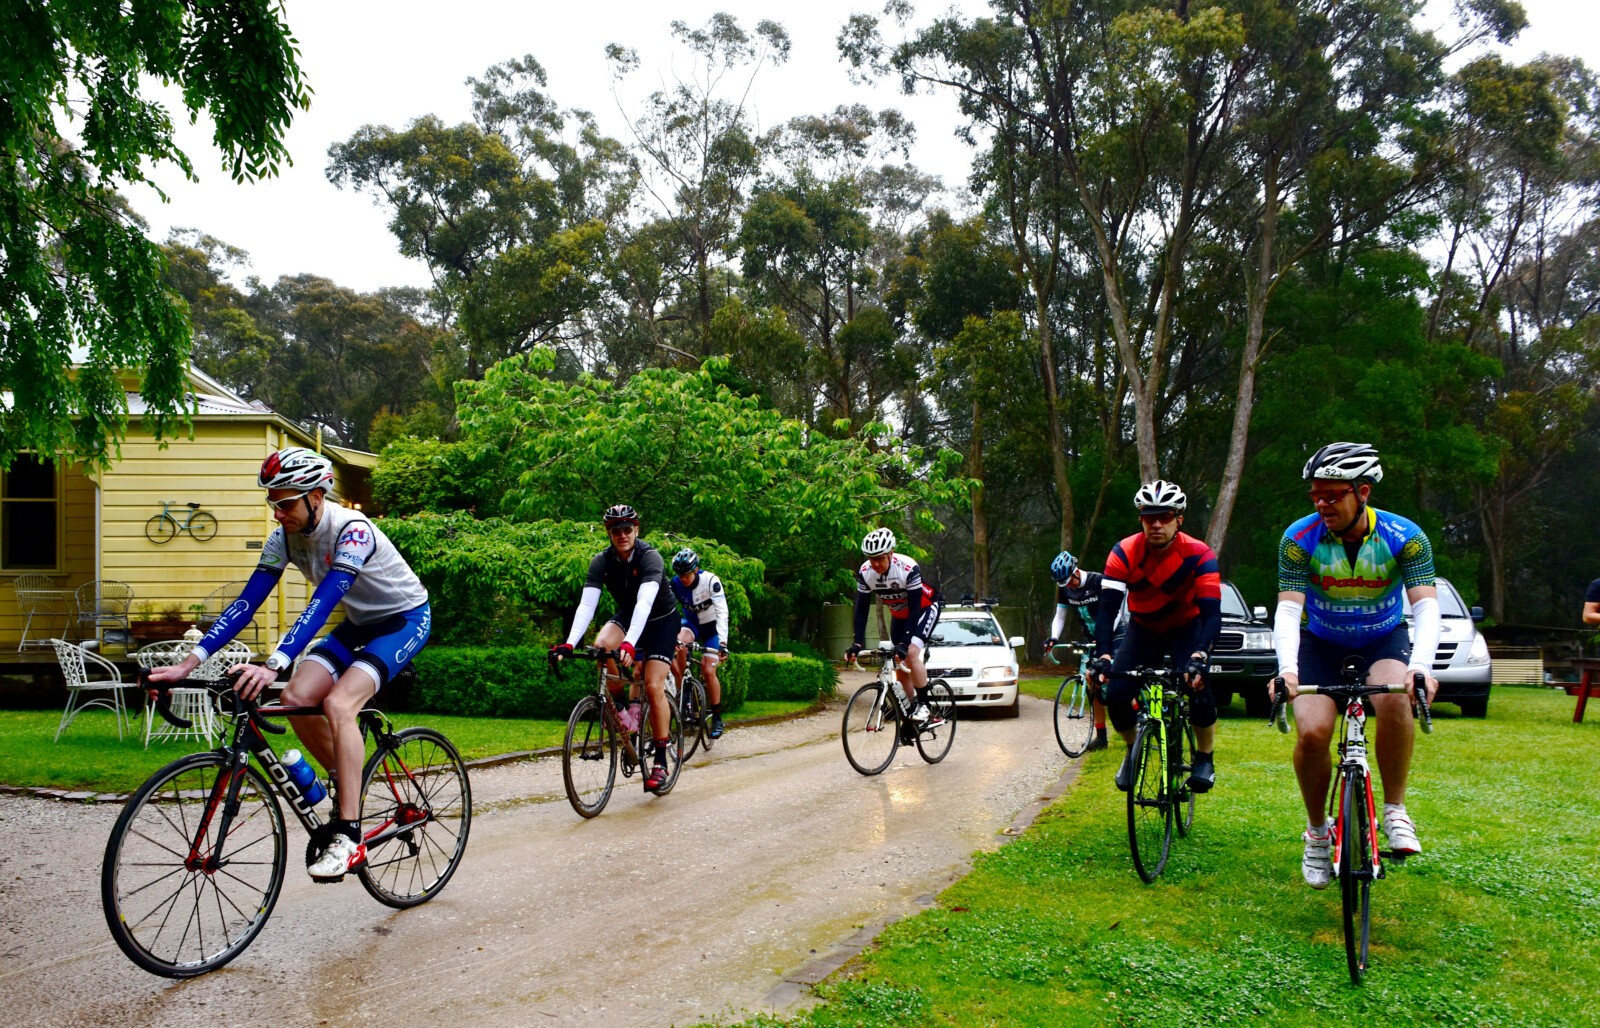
(914, 606)
(1174, 593)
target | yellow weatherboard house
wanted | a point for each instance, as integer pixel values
(62, 527)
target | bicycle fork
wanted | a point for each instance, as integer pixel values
(1353, 755)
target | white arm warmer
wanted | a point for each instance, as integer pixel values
(719, 603)
(585, 614)
(641, 610)
(1286, 636)
(1060, 621)
(1424, 634)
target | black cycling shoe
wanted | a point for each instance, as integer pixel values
(1099, 742)
(716, 726)
(1125, 771)
(1204, 773)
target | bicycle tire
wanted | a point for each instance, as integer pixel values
(1074, 716)
(589, 758)
(176, 921)
(1355, 871)
(870, 730)
(1183, 763)
(202, 525)
(693, 713)
(1149, 806)
(161, 528)
(674, 740)
(934, 743)
(422, 783)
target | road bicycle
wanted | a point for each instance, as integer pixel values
(164, 527)
(877, 722)
(196, 859)
(1074, 711)
(694, 708)
(597, 741)
(1159, 796)
(1357, 861)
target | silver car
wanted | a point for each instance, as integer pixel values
(1461, 664)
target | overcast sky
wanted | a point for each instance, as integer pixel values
(371, 63)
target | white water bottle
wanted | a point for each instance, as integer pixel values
(305, 776)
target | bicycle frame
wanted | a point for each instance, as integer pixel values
(1353, 757)
(890, 693)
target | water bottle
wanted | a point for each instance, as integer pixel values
(305, 776)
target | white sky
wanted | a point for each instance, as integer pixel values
(388, 63)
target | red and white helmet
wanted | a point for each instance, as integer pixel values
(297, 468)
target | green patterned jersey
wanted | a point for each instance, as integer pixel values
(1354, 603)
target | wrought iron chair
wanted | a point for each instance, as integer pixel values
(104, 602)
(36, 595)
(86, 672)
(217, 601)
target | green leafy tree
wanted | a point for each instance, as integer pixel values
(79, 281)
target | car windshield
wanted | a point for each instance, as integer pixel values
(1233, 603)
(967, 632)
(1450, 604)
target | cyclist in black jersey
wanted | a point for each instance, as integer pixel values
(645, 626)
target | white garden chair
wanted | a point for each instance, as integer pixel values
(85, 672)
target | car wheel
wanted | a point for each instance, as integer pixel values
(1478, 707)
(1015, 710)
(1223, 696)
(1257, 703)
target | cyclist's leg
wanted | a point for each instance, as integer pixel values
(680, 655)
(1314, 720)
(1202, 712)
(1396, 728)
(655, 650)
(710, 657)
(1121, 691)
(610, 636)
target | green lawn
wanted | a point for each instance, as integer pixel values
(90, 757)
(1496, 923)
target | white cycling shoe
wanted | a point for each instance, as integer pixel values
(1399, 830)
(340, 858)
(1317, 863)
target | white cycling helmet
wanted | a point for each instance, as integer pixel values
(297, 468)
(1345, 462)
(1160, 495)
(878, 542)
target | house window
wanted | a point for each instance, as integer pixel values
(29, 518)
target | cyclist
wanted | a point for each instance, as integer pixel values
(705, 618)
(1341, 570)
(914, 606)
(1174, 595)
(642, 628)
(1077, 589)
(387, 621)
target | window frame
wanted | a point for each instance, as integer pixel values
(58, 498)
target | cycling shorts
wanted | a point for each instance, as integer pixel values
(1320, 659)
(658, 641)
(914, 628)
(1142, 647)
(381, 649)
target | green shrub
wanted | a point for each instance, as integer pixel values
(780, 644)
(765, 676)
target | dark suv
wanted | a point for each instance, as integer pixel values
(1243, 658)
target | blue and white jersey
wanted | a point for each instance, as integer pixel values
(703, 602)
(346, 540)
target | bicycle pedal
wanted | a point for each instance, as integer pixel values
(329, 881)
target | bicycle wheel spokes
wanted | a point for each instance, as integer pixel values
(1074, 716)
(870, 731)
(416, 811)
(934, 742)
(675, 742)
(1149, 806)
(589, 758)
(693, 713)
(1355, 871)
(173, 907)
(1182, 764)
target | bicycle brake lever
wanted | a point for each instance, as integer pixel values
(161, 696)
(1419, 692)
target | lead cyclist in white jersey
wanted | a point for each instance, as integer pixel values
(914, 611)
(387, 621)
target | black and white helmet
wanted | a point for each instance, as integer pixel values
(878, 542)
(297, 468)
(620, 514)
(1158, 496)
(1345, 462)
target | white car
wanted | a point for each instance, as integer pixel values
(1462, 663)
(970, 652)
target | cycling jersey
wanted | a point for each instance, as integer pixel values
(641, 576)
(901, 589)
(347, 559)
(703, 603)
(1166, 589)
(1593, 595)
(1356, 602)
(1082, 599)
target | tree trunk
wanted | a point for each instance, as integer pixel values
(980, 513)
(1492, 521)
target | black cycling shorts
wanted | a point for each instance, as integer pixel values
(1320, 659)
(914, 627)
(1144, 648)
(658, 641)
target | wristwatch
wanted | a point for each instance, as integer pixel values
(276, 662)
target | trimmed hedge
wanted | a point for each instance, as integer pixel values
(515, 681)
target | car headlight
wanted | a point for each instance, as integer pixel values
(993, 674)
(1479, 652)
(1258, 639)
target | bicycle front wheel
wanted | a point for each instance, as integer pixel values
(589, 758)
(934, 742)
(1182, 764)
(174, 905)
(870, 730)
(1074, 716)
(1149, 805)
(1355, 870)
(692, 708)
(675, 736)
(416, 811)
(161, 528)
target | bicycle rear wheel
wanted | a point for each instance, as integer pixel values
(1182, 753)
(1355, 870)
(1074, 716)
(172, 908)
(416, 811)
(870, 730)
(692, 712)
(933, 743)
(589, 758)
(1149, 805)
(201, 525)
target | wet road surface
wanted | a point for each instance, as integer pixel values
(660, 911)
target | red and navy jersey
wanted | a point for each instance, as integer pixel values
(901, 588)
(1164, 587)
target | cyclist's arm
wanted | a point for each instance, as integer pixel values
(1210, 622)
(585, 614)
(1425, 627)
(719, 603)
(642, 605)
(238, 613)
(863, 605)
(1059, 622)
(1286, 631)
(1591, 613)
(328, 593)
(1111, 592)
